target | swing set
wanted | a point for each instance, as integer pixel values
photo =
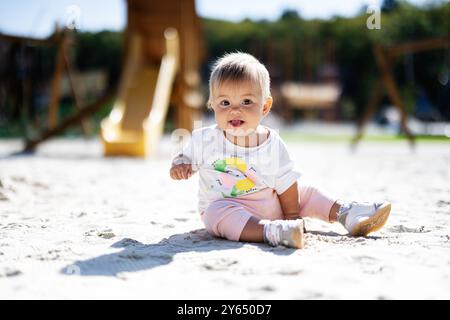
(62, 41)
(385, 58)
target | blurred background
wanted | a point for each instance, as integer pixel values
(72, 68)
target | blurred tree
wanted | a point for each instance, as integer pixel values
(389, 5)
(289, 14)
(102, 50)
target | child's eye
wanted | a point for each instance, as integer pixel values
(247, 102)
(224, 103)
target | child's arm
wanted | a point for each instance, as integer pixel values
(289, 202)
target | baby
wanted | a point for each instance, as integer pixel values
(248, 188)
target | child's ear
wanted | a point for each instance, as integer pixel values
(267, 106)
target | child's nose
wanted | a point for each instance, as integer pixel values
(235, 110)
(235, 107)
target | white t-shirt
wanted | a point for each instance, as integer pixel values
(228, 171)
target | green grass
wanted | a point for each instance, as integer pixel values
(299, 137)
(11, 131)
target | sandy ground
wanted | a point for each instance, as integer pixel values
(76, 225)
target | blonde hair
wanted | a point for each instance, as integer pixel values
(239, 66)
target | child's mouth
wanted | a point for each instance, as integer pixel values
(236, 123)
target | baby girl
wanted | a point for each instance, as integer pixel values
(248, 189)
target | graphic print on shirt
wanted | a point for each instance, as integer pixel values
(236, 177)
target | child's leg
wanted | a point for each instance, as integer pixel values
(226, 219)
(334, 211)
(358, 218)
(317, 204)
(253, 231)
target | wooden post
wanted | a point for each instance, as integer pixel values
(288, 59)
(55, 91)
(30, 145)
(73, 85)
(385, 65)
(375, 98)
(187, 109)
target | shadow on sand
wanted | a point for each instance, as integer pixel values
(136, 256)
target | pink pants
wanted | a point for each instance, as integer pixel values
(226, 218)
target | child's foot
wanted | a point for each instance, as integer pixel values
(362, 218)
(288, 233)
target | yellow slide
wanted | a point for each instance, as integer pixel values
(136, 122)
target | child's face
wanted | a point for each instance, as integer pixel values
(239, 106)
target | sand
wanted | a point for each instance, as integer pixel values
(74, 225)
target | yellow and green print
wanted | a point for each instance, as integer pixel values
(237, 185)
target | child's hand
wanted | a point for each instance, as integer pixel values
(181, 171)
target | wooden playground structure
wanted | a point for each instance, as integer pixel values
(163, 51)
(385, 59)
(162, 56)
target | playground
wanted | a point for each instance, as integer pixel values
(87, 206)
(76, 225)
